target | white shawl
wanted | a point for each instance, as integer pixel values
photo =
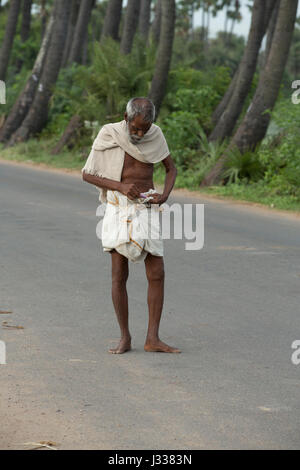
(106, 158)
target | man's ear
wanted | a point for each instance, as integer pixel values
(126, 117)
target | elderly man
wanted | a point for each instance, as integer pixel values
(121, 166)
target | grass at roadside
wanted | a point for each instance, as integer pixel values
(254, 193)
(37, 152)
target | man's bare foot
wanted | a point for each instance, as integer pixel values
(123, 346)
(159, 346)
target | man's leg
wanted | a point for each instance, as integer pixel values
(120, 299)
(156, 277)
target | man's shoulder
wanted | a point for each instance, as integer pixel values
(110, 125)
(156, 130)
(155, 126)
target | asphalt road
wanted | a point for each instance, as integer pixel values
(232, 307)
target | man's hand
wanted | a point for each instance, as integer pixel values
(157, 199)
(130, 190)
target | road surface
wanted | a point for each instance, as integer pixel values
(232, 307)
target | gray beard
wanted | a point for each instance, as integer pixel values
(132, 138)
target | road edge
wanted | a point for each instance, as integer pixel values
(177, 192)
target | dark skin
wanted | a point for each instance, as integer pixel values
(137, 177)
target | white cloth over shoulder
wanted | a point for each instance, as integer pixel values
(131, 227)
(106, 158)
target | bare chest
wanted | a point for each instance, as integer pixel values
(136, 171)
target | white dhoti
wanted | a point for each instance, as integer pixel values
(132, 228)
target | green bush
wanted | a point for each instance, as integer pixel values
(181, 129)
(246, 167)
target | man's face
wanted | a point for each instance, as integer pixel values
(136, 129)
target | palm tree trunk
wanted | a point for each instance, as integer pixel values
(226, 21)
(24, 101)
(43, 15)
(130, 25)
(164, 54)
(228, 119)
(82, 25)
(208, 24)
(112, 20)
(203, 24)
(26, 20)
(255, 123)
(38, 113)
(144, 19)
(25, 26)
(226, 99)
(156, 25)
(192, 16)
(231, 30)
(9, 35)
(71, 31)
(69, 134)
(271, 29)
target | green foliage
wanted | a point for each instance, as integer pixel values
(201, 72)
(101, 91)
(28, 50)
(66, 101)
(181, 129)
(275, 165)
(224, 53)
(191, 98)
(200, 102)
(292, 71)
(217, 78)
(13, 90)
(37, 151)
(193, 154)
(186, 121)
(243, 167)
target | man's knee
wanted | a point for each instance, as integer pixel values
(156, 273)
(120, 276)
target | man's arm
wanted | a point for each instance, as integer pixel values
(130, 190)
(171, 173)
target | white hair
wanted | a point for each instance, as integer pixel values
(141, 107)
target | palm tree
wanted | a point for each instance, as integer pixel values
(156, 25)
(256, 121)
(38, 113)
(164, 54)
(10, 31)
(255, 124)
(81, 30)
(271, 28)
(130, 26)
(43, 16)
(112, 20)
(25, 26)
(144, 19)
(261, 13)
(71, 31)
(24, 101)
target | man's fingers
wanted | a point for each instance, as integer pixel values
(134, 192)
(155, 199)
(134, 195)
